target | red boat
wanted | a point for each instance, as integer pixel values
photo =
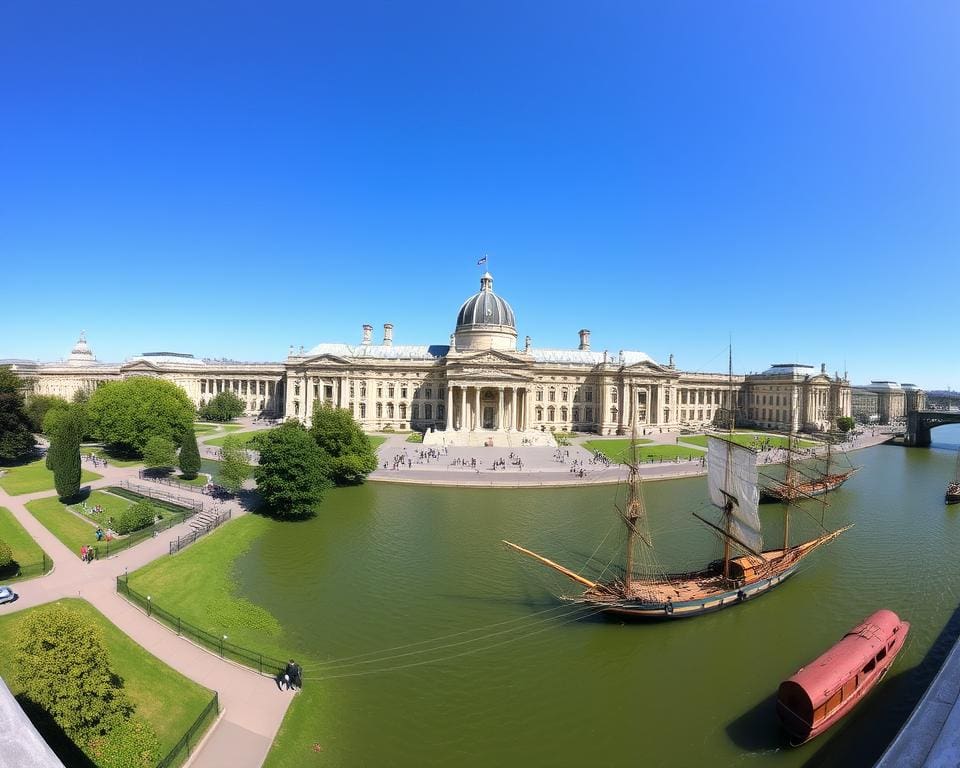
(825, 690)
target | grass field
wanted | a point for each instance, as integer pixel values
(112, 457)
(113, 507)
(211, 603)
(33, 477)
(376, 442)
(619, 450)
(243, 437)
(26, 552)
(163, 697)
(66, 526)
(200, 480)
(749, 439)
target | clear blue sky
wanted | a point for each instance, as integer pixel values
(231, 178)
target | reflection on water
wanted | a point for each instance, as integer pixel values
(516, 678)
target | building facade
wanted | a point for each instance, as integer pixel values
(481, 387)
(886, 402)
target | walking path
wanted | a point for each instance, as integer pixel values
(252, 709)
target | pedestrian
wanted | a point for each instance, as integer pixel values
(83, 552)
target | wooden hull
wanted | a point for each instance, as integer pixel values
(776, 494)
(952, 496)
(689, 595)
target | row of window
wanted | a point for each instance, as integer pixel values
(238, 386)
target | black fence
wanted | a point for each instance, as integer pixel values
(188, 538)
(184, 748)
(219, 644)
(146, 474)
(159, 495)
(26, 570)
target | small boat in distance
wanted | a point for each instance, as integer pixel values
(826, 689)
(952, 496)
(797, 486)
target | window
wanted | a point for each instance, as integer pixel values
(203, 386)
(316, 391)
(390, 391)
(403, 411)
(296, 389)
(379, 410)
(666, 414)
(589, 414)
(427, 411)
(328, 392)
(243, 387)
(576, 414)
(553, 395)
(666, 396)
(403, 391)
(613, 394)
(363, 389)
(263, 386)
(379, 390)
(296, 407)
(389, 410)
(613, 414)
(440, 410)
(539, 413)
(871, 665)
(363, 410)
(551, 414)
(563, 414)
(564, 394)
(539, 395)
(589, 394)
(415, 411)
(428, 394)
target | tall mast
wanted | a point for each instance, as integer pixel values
(634, 509)
(790, 484)
(728, 507)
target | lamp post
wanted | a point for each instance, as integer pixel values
(221, 645)
(149, 604)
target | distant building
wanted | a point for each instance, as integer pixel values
(885, 402)
(479, 387)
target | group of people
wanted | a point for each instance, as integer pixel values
(561, 455)
(88, 554)
(108, 535)
(291, 676)
(600, 458)
(95, 460)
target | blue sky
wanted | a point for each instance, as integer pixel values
(231, 178)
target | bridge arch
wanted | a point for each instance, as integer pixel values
(919, 424)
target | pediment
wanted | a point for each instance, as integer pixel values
(139, 365)
(326, 357)
(487, 374)
(488, 357)
(647, 366)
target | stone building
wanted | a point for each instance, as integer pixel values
(886, 402)
(481, 387)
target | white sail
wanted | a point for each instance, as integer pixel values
(732, 472)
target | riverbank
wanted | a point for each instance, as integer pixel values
(535, 466)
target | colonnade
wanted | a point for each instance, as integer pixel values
(467, 409)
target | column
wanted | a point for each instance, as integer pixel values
(463, 407)
(513, 409)
(305, 400)
(500, 409)
(477, 421)
(449, 412)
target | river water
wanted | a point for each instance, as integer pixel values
(510, 676)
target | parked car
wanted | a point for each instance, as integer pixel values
(7, 595)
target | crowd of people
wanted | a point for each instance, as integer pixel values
(93, 459)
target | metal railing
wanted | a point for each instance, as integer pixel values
(219, 644)
(144, 474)
(17, 570)
(184, 748)
(159, 495)
(188, 539)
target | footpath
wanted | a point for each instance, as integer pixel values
(251, 707)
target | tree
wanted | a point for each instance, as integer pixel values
(293, 473)
(189, 455)
(135, 517)
(845, 423)
(128, 413)
(37, 407)
(223, 407)
(63, 456)
(341, 438)
(61, 665)
(159, 453)
(16, 439)
(6, 555)
(234, 464)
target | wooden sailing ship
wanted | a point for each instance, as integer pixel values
(952, 496)
(745, 571)
(798, 485)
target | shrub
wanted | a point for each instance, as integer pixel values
(62, 666)
(6, 554)
(63, 456)
(131, 744)
(135, 517)
(845, 423)
(189, 455)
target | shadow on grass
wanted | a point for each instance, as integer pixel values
(27, 458)
(64, 748)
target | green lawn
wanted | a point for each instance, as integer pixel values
(113, 458)
(375, 441)
(414, 437)
(32, 477)
(750, 439)
(66, 526)
(113, 507)
(243, 437)
(26, 552)
(614, 449)
(619, 450)
(211, 602)
(167, 700)
(200, 480)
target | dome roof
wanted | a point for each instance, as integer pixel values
(486, 308)
(81, 354)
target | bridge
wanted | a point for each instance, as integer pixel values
(919, 424)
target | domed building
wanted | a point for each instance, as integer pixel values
(480, 389)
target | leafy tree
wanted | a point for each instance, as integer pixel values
(234, 464)
(6, 555)
(341, 438)
(159, 452)
(845, 423)
(128, 413)
(135, 517)
(61, 665)
(189, 455)
(293, 473)
(37, 407)
(223, 407)
(63, 456)
(16, 439)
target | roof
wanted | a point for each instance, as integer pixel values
(485, 307)
(587, 357)
(167, 358)
(382, 351)
(788, 369)
(21, 746)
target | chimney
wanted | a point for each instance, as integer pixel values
(584, 339)
(527, 343)
(367, 333)
(388, 334)
(823, 368)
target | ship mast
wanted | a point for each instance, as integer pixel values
(790, 484)
(634, 510)
(728, 507)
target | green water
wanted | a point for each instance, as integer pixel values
(384, 566)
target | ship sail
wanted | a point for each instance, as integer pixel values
(732, 480)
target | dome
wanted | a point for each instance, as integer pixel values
(81, 354)
(486, 308)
